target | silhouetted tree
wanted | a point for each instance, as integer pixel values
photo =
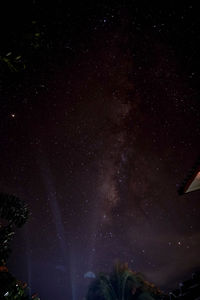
(13, 213)
(11, 288)
(122, 284)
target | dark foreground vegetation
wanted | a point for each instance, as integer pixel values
(122, 284)
(13, 214)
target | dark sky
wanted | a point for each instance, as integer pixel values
(96, 136)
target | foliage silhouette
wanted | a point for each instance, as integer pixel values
(11, 288)
(13, 213)
(122, 284)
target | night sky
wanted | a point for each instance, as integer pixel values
(96, 136)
